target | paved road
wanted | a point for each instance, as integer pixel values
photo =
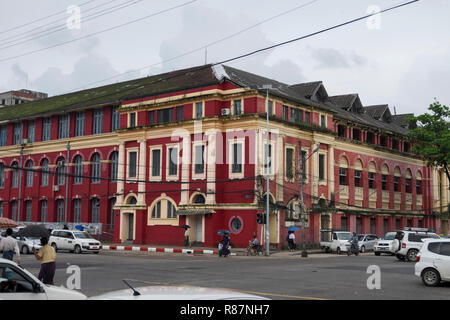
(288, 277)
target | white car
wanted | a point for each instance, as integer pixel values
(384, 245)
(366, 242)
(176, 293)
(17, 283)
(334, 240)
(433, 262)
(408, 242)
(74, 241)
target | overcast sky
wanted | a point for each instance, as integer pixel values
(401, 58)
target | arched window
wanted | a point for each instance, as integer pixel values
(96, 168)
(199, 199)
(164, 209)
(2, 175)
(44, 211)
(95, 217)
(131, 200)
(44, 172)
(114, 165)
(343, 172)
(77, 210)
(60, 210)
(418, 183)
(14, 210)
(358, 171)
(397, 175)
(372, 173)
(408, 181)
(384, 177)
(78, 169)
(29, 167)
(60, 171)
(15, 175)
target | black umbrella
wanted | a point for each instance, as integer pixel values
(34, 231)
(185, 226)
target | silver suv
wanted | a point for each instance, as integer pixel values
(408, 242)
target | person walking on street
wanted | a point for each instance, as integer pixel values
(226, 245)
(291, 241)
(186, 237)
(47, 256)
(9, 246)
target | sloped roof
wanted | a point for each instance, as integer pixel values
(402, 119)
(376, 111)
(307, 89)
(195, 77)
(114, 93)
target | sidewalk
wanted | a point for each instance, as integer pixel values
(199, 250)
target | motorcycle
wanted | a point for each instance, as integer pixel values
(253, 250)
(352, 248)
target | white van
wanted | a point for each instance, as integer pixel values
(334, 240)
(74, 241)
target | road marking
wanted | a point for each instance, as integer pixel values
(243, 291)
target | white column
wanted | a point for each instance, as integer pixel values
(211, 166)
(120, 173)
(142, 167)
(330, 170)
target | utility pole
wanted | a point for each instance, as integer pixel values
(267, 176)
(67, 182)
(302, 212)
(20, 183)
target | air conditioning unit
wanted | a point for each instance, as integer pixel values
(226, 112)
(55, 188)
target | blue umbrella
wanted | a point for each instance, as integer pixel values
(221, 232)
(293, 229)
(79, 227)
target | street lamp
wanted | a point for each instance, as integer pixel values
(304, 253)
(267, 87)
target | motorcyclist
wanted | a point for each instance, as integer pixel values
(354, 243)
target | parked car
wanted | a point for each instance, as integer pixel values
(176, 293)
(366, 242)
(433, 262)
(16, 283)
(384, 244)
(26, 244)
(334, 240)
(408, 242)
(74, 241)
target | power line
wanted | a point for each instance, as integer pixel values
(56, 173)
(176, 75)
(42, 18)
(202, 47)
(28, 38)
(99, 32)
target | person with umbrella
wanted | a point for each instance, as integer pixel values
(47, 256)
(9, 246)
(226, 244)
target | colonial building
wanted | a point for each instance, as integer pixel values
(147, 156)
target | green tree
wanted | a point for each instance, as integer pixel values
(431, 136)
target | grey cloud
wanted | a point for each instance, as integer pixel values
(332, 58)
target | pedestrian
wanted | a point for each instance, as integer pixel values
(186, 237)
(220, 247)
(291, 241)
(226, 245)
(9, 246)
(47, 256)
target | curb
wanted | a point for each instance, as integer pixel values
(162, 250)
